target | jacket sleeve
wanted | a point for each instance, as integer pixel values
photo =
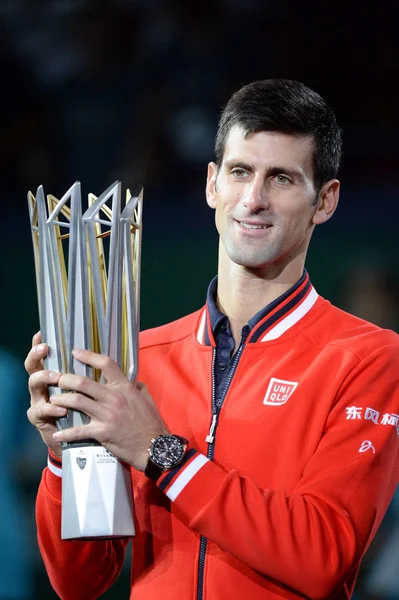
(77, 570)
(313, 538)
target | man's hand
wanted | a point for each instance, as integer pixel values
(124, 417)
(41, 413)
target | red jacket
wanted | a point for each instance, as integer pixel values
(305, 464)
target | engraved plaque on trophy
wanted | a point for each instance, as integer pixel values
(87, 263)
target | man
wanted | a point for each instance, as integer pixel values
(289, 406)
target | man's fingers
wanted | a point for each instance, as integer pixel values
(42, 414)
(79, 402)
(37, 338)
(104, 363)
(74, 434)
(46, 411)
(34, 360)
(39, 382)
(84, 385)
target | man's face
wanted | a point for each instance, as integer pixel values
(264, 196)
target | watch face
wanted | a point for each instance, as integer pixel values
(168, 451)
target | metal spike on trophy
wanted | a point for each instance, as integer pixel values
(88, 282)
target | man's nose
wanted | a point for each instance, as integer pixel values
(257, 196)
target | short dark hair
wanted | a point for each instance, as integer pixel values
(285, 106)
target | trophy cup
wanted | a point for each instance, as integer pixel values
(88, 282)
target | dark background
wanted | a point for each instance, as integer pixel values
(132, 90)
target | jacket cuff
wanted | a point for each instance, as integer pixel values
(53, 475)
(54, 464)
(192, 483)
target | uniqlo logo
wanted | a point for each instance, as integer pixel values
(279, 391)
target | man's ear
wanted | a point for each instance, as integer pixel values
(327, 202)
(210, 189)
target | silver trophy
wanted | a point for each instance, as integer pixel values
(88, 282)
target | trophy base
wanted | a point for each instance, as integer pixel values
(97, 501)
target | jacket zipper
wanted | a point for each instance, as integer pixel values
(210, 439)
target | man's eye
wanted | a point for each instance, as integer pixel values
(282, 179)
(240, 173)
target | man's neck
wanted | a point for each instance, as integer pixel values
(242, 293)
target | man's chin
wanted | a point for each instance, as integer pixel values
(251, 257)
(251, 262)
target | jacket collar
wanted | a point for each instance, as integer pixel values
(270, 322)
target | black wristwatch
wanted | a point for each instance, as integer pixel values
(165, 453)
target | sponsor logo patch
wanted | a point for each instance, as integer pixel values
(279, 391)
(354, 413)
(367, 445)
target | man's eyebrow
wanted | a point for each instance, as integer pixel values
(235, 162)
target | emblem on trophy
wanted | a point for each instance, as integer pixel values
(87, 263)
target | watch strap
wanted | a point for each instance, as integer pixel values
(153, 471)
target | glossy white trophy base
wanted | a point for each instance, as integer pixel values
(97, 497)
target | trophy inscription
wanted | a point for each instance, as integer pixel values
(88, 282)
